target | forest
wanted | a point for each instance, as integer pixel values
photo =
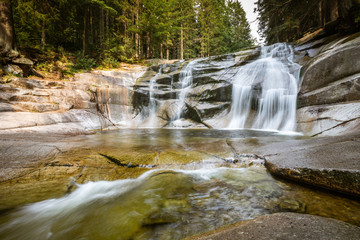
(289, 20)
(91, 33)
(128, 30)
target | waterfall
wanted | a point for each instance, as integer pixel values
(152, 102)
(186, 80)
(265, 91)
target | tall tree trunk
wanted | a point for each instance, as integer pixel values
(84, 32)
(43, 34)
(148, 45)
(167, 51)
(182, 43)
(137, 35)
(321, 23)
(107, 23)
(334, 10)
(7, 34)
(91, 35)
(101, 27)
(161, 51)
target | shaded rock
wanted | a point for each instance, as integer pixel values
(325, 68)
(288, 226)
(13, 69)
(221, 92)
(23, 61)
(27, 83)
(344, 90)
(6, 107)
(211, 109)
(5, 97)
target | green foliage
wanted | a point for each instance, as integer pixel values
(111, 31)
(109, 62)
(84, 63)
(288, 20)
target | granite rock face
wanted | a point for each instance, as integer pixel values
(285, 226)
(330, 90)
(209, 93)
(87, 102)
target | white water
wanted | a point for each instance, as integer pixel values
(152, 102)
(122, 204)
(186, 80)
(271, 83)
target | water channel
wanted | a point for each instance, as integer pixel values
(169, 184)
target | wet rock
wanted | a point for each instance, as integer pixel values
(292, 205)
(288, 226)
(211, 109)
(221, 92)
(330, 163)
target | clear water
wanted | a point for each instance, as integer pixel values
(202, 189)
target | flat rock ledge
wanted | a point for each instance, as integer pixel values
(285, 226)
(331, 163)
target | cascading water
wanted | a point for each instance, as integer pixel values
(186, 80)
(265, 91)
(152, 102)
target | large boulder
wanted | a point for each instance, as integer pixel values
(330, 88)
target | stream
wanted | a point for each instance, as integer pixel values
(178, 182)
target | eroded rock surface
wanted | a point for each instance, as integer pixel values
(286, 226)
(89, 101)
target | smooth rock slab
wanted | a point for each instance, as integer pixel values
(285, 226)
(331, 162)
(335, 166)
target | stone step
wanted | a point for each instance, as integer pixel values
(344, 90)
(36, 107)
(29, 98)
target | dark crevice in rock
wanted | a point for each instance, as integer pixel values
(129, 165)
(236, 155)
(319, 119)
(243, 157)
(117, 162)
